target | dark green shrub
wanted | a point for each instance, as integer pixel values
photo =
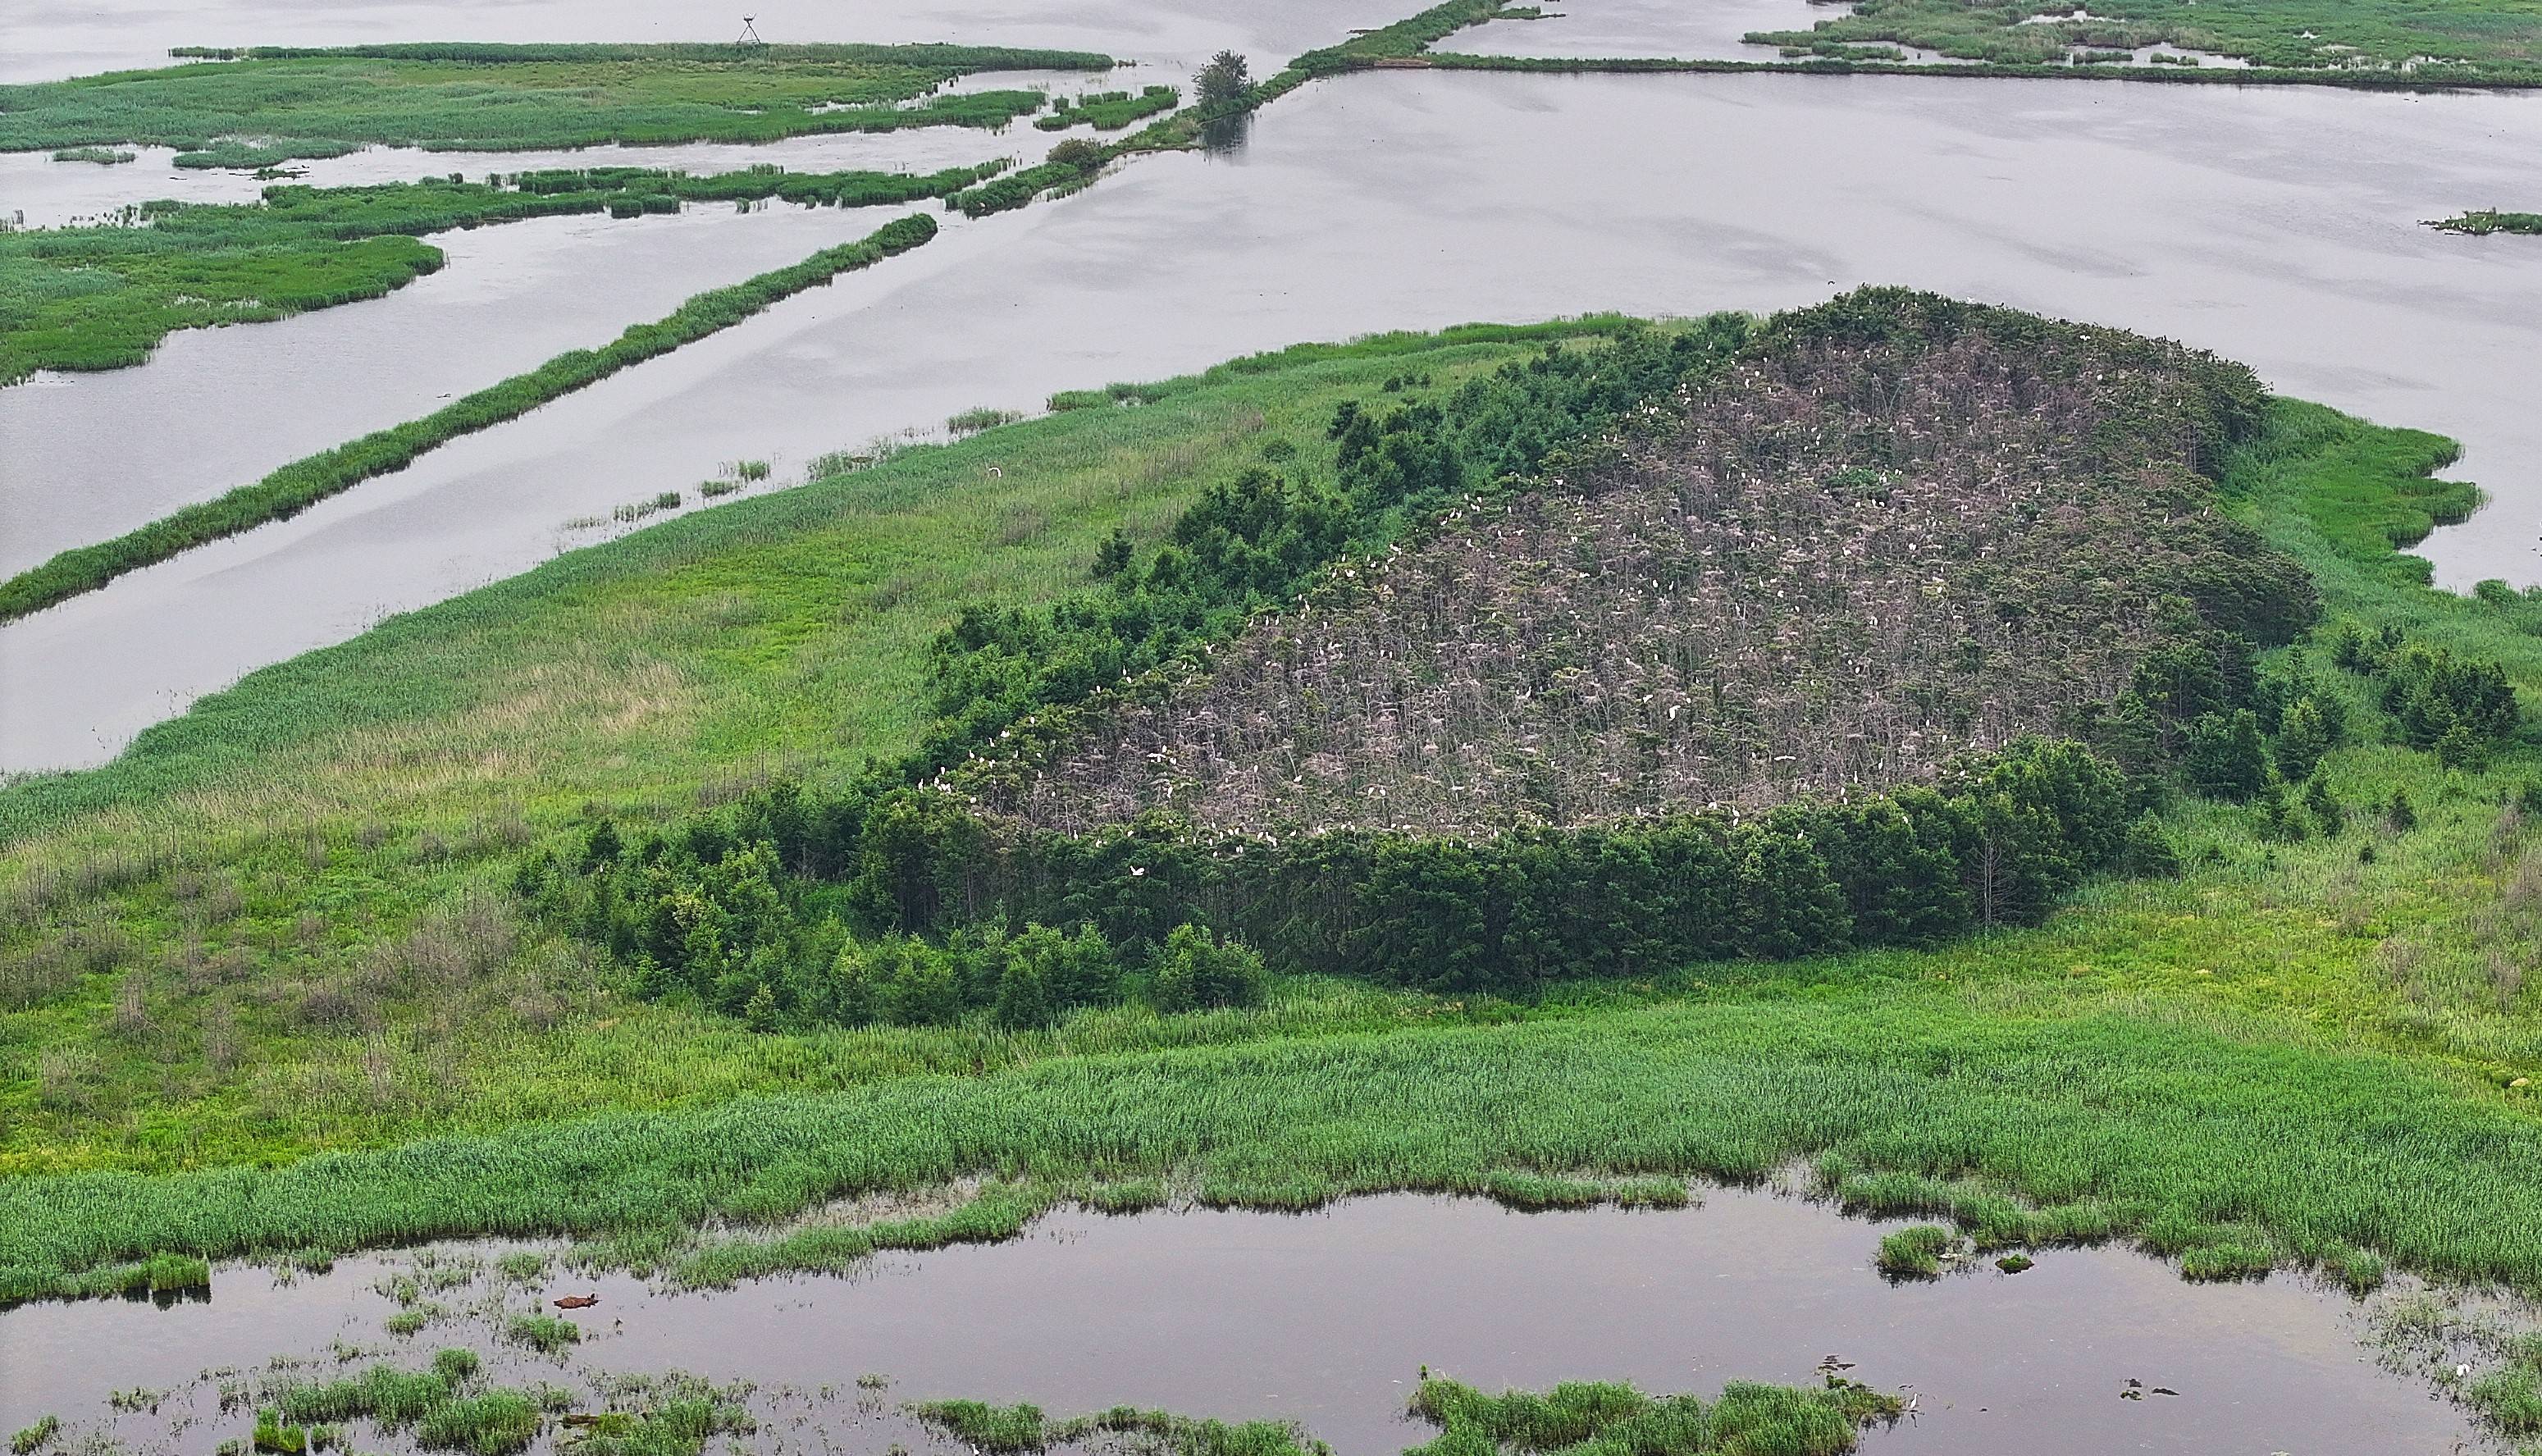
(2223, 758)
(1196, 972)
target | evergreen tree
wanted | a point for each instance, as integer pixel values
(1789, 905)
(1225, 80)
(2303, 737)
(2278, 820)
(2223, 758)
(1024, 995)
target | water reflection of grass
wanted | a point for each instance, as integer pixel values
(2297, 1051)
(268, 105)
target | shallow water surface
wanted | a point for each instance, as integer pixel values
(91, 456)
(2275, 225)
(1328, 1318)
(52, 39)
(1687, 30)
(50, 193)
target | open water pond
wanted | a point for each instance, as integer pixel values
(2278, 226)
(1328, 1318)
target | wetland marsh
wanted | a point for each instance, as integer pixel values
(934, 852)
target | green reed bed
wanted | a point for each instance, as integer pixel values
(261, 106)
(1575, 1416)
(2297, 1050)
(297, 486)
(2483, 221)
(1108, 111)
(2188, 1124)
(101, 297)
(2457, 42)
(1850, 61)
(1596, 1417)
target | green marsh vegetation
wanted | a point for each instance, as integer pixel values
(874, 558)
(2483, 221)
(296, 487)
(103, 156)
(1576, 1417)
(2460, 42)
(262, 107)
(277, 939)
(1537, 855)
(451, 1405)
(1108, 111)
(101, 297)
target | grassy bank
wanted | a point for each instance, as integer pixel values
(296, 487)
(2180, 1130)
(261, 107)
(274, 929)
(101, 297)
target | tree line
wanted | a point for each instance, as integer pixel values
(888, 898)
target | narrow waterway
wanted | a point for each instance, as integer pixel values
(38, 191)
(2278, 226)
(1328, 1319)
(52, 39)
(92, 457)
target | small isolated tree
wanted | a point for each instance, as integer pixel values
(2400, 813)
(1024, 995)
(1225, 80)
(2303, 737)
(2223, 758)
(1082, 153)
(1112, 556)
(2278, 820)
(2148, 850)
(2325, 808)
(1195, 973)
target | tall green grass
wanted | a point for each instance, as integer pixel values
(261, 106)
(2483, 221)
(101, 297)
(2292, 1051)
(2368, 41)
(1855, 63)
(2207, 1130)
(304, 482)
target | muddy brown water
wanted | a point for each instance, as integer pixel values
(1328, 1319)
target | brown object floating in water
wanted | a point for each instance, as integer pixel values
(577, 1301)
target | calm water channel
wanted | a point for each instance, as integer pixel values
(1328, 1319)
